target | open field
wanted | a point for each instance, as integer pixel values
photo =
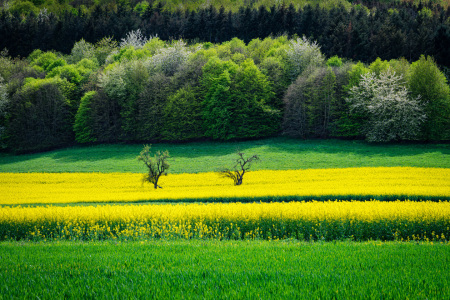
(276, 154)
(61, 240)
(350, 183)
(328, 221)
(224, 270)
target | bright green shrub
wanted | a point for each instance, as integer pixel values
(430, 84)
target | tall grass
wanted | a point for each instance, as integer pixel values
(224, 270)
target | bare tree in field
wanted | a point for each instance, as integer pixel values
(242, 165)
(157, 165)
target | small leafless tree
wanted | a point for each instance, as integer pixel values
(242, 165)
(157, 165)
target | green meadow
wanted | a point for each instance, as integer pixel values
(199, 269)
(276, 154)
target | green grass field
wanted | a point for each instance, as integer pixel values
(276, 154)
(224, 270)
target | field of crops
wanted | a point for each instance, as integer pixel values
(350, 183)
(332, 220)
(294, 229)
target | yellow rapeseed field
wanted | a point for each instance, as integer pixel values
(29, 188)
(329, 220)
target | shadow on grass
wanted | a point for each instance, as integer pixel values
(195, 150)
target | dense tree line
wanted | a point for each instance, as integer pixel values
(145, 89)
(387, 30)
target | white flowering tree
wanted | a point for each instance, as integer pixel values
(392, 114)
(168, 60)
(302, 56)
(134, 38)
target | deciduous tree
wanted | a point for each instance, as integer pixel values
(157, 165)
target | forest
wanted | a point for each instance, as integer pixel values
(359, 72)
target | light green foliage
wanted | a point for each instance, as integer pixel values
(69, 72)
(334, 61)
(24, 8)
(355, 73)
(84, 120)
(87, 64)
(67, 88)
(400, 67)
(428, 83)
(103, 48)
(46, 61)
(214, 68)
(227, 49)
(34, 55)
(379, 66)
(126, 54)
(153, 45)
(141, 7)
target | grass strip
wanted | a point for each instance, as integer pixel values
(224, 270)
(276, 154)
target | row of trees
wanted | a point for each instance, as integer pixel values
(144, 89)
(389, 31)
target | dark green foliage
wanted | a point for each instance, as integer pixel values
(84, 120)
(182, 116)
(275, 71)
(151, 104)
(106, 121)
(235, 105)
(349, 124)
(310, 105)
(39, 118)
